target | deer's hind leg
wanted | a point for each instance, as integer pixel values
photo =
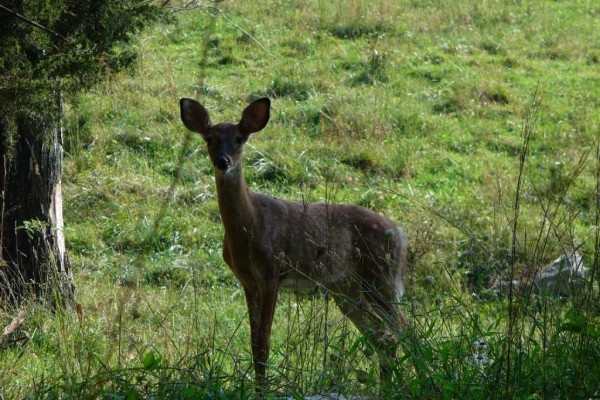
(382, 295)
(373, 318)
(388, 323)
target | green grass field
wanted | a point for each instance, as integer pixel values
(415, 109)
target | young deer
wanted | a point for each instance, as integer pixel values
(356, 254)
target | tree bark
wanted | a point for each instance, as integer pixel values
(33, 257)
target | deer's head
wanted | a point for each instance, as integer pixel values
(225, 141)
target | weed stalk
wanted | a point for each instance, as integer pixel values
(514, 306)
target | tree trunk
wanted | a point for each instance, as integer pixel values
(33, 258)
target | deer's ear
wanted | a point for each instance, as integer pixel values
(194, 116)
(255, 116)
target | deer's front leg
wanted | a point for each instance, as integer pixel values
(261, 308)
(253, 302)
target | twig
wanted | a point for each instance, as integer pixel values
(193, 4)
(455, 224)
(190, 5)
(240, 28)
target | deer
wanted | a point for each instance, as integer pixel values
(357, 255)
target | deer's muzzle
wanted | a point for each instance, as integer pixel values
(223, 162)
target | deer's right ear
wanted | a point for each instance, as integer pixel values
(194, 116)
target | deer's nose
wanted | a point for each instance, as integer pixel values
(223, 162)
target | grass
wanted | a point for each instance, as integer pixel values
(414, 109)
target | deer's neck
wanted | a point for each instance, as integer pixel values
(235, 202)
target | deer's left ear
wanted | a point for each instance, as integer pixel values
(255, 116)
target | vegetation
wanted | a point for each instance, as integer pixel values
(39, 66)
(473, 125)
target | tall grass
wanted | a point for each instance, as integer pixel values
(419, 110)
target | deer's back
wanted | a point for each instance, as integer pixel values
(326, 242)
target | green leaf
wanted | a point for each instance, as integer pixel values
(150, 360)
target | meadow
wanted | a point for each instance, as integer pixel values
(474, 125)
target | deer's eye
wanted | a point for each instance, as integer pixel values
(208, 141)
(239, 140)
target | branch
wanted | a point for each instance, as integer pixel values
(30, 22)
(9, 333)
